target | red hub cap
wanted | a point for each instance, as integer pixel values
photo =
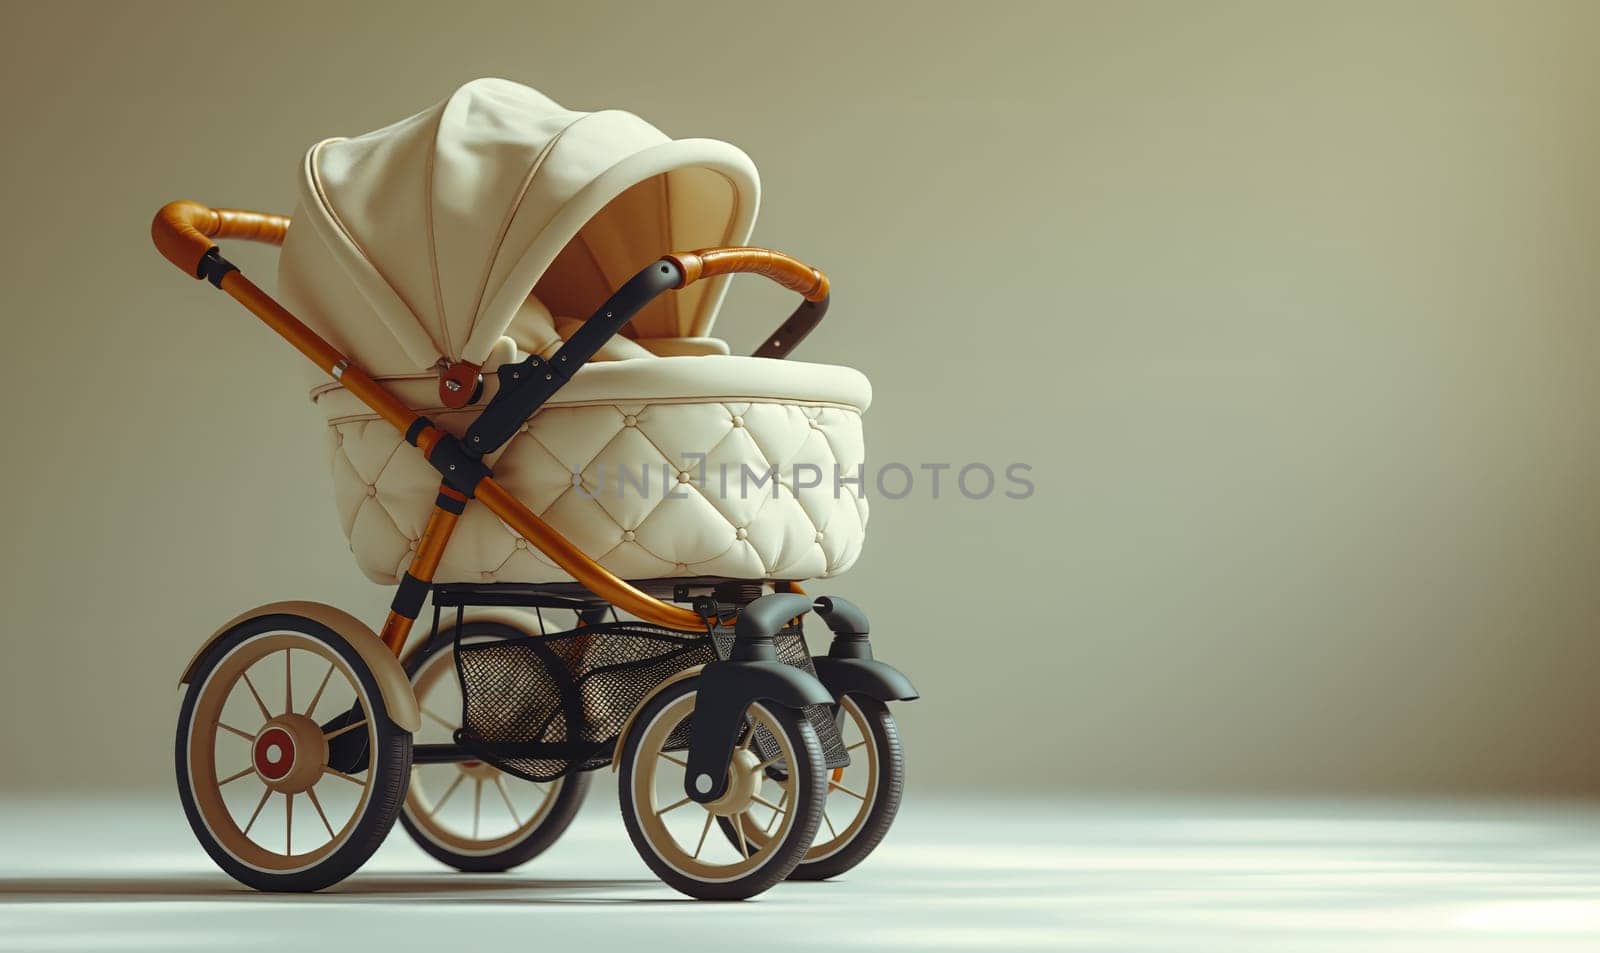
(274, 754)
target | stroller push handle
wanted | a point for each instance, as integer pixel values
(183, 231)
(791, 273)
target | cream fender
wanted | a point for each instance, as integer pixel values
(393, 685)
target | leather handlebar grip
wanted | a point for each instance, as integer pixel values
(183, 231)
(791, 273)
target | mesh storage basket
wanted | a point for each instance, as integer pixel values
(541, 706)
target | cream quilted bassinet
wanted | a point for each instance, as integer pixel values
(485, 229)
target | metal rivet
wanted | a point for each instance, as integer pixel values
(703, 784)
(452, 466)
(452, 386)
(548, 376)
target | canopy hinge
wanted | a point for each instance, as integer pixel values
(460, 383)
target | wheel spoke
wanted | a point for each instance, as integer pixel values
(831, 831)
(749, 736)
(500, 782)
(235, 777)
(673, 806)
(288, 681)
(257, 812)
(288, 823)
(702, 842)
(784, 799)
(859, 744)
(320, 689)
(676, 761)
(738, 828)
(329, 736)
(243, 734)
(766, 803)
(340, 774)
(265, 715)
(835, 785)
(447, 792)
(477, 805)
(768, 763)
(318, 805)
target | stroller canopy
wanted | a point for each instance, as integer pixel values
(422, 239)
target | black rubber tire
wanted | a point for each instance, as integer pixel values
(812, 786)
(569, 798)
(391, 763)
(885, 738)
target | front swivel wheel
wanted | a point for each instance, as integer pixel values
(862, 800)
(289, 769)
(670, 830)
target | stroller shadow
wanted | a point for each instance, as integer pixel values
(371, 888)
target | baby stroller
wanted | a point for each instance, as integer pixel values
(596, 470)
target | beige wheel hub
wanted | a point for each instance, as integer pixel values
(289, 753)
(744, 783)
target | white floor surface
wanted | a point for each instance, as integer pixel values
(973, 874)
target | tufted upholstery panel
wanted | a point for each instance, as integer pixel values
(567, 461)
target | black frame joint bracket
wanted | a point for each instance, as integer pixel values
(414, 432)
(409, 597)
(214, 267)
(704, 606)
(528, 384)
(524, 387)
(461, 471)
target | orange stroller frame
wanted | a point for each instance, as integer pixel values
(749, 728)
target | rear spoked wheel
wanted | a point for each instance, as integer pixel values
(863, 797)
(470, 815)
(289, 769)
(672, 832)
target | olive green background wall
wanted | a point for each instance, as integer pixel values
(1291, 307)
